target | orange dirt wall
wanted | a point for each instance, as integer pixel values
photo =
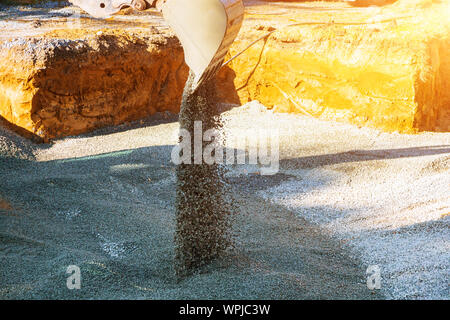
(391, 76)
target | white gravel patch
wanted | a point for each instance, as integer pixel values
(400, 225)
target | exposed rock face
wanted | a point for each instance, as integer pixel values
(59, 79)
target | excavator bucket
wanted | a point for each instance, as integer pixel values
(205, 28)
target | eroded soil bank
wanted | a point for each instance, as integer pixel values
(383, 67)
(106, 202)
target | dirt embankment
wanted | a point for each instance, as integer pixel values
(344, 198)
(383, 67)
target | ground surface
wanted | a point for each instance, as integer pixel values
(343, 199)
(63, 73)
